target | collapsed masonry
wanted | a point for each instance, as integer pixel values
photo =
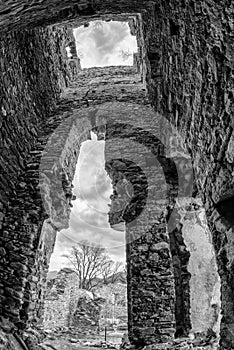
(60, 299)
(65, 305)
(184, 77)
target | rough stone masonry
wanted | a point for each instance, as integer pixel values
(46, 112)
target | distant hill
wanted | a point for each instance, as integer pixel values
(119, 277)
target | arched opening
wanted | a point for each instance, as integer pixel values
(186, 68)
(86, 283)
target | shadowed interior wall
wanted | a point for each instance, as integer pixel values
(192, 87)
(189, 78)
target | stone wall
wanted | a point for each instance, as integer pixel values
(193, 61)
(34, 71)
(60, 299)
(49, 12)
(205, 305)
(48, 194)
(65, 305)
(188, 71)
(137, 167)
(97, 85)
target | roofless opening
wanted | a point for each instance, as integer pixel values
(105, 43)
(89, 213)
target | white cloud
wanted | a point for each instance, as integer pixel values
(101, 44)
(89, 215)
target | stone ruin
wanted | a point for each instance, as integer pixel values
(176, 105)
(65, 305)
(60, 299)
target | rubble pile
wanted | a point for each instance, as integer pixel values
(87, 313)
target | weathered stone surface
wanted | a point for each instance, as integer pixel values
(194, 82)
(86, 313)
(34, 71)
(48, 12)
(205, 305)
(187, 53)
(60, 299)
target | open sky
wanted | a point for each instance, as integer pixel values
(89, 220)
(98, 45)
(101, 43)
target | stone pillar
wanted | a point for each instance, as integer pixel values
(140, 201)
(220, 220)
(150, 287)
(143, 166)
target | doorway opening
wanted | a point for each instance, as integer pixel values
(86, 283)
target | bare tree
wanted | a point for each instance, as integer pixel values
(89, 261)
(111, 271)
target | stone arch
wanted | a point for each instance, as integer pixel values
(189, 82)
(41, 208)
(57, 168)
(142, 143)
(56, 172)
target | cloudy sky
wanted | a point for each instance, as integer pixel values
(101, 44)
(89, 220)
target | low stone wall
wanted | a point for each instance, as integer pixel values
(61, 299)
(66, 305)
